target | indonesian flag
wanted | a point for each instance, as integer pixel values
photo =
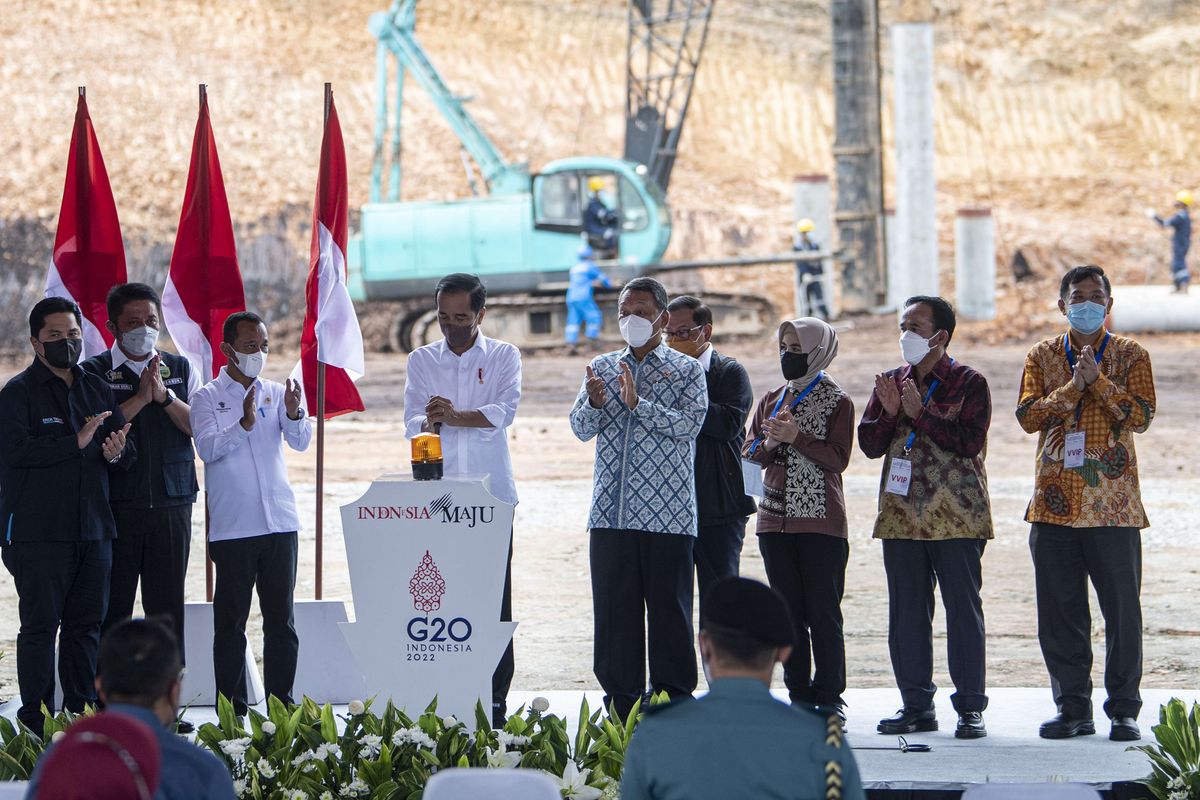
(204, 284)
(331, 333)
(88, 257)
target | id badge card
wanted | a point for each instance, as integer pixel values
(899, 477)
(752, 478)
(1073, 447)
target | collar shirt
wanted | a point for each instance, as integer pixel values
(1104, 492)
(486, 378)
(119, 360)
(50, 489)
(948, 495)
(705, 358)
(245, 477)
(644, 476)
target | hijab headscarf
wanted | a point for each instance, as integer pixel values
(818, 339)
(108, 756)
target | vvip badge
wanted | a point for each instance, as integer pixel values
(445, 544)
(899, 477)
(1074, 447)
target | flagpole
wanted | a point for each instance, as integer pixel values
(320, 554)
(208, 564)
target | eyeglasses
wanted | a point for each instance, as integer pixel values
(681, 333)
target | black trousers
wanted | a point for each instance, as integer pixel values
(503, 676)
(718, 554)
(809, 570)
(642, 582)
(62, 589)
(914, 568)
(268, 564)
(1063, 561)
(152, 547)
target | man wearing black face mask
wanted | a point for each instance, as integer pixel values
(467, 387)
(61, 433)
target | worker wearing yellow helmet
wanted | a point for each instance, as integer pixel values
(600, 221)
(1181, 238)
(810, 273)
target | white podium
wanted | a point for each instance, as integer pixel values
(427, 562)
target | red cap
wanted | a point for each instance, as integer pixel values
(105, 757)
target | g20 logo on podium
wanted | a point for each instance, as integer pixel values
(428, 636)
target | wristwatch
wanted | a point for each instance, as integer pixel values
(170, 399)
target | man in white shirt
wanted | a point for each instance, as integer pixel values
(237, 421)
(466, 388)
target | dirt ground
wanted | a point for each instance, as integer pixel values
(553, 469)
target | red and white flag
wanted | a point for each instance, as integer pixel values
(88, 258)
(204, 284)
(331, 334)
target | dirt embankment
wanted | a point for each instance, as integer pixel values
(1068, 121)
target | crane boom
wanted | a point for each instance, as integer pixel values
(395, 31)
(666, 40)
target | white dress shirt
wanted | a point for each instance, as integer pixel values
(705, 358)
(244, 474)
(119, 359)
(487, 379)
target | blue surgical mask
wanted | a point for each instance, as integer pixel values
(1086, 317)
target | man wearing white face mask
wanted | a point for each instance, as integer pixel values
(1085, 393)
(929, 421)
(240, 421)
(152, 502)
(645, 405)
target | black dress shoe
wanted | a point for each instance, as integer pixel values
(909, 720)
(183, 726)
(970, 726)
(1124, 729)
(1063, 727)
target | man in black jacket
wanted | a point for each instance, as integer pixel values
(152, 503)
(721, 501)
(61, 433)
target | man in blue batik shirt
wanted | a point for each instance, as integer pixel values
(646, 405)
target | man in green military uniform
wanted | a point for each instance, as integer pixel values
(737, 740)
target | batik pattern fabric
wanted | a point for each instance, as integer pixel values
(1104, 492)
(644, 476)
(948, 494)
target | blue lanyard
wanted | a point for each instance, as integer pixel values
(791, 406)
(912, 435)
(1071, 364)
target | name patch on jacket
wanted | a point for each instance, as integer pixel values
(52, 421)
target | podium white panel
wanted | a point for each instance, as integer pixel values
(326, 671)
(427, 562)
(199, 683)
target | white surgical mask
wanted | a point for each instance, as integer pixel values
(914, 347)
(139, 341)
(635, 330)
(251, 364)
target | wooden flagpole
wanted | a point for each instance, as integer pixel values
(320, 528)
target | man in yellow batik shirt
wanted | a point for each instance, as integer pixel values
(1085, 393)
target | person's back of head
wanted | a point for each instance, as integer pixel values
(745, 629)
(139, 664)
(105, 757)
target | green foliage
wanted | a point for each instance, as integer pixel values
(1175, 756)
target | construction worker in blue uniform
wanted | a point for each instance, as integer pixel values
(599, 221)
(582, 310)
(1181, 238)
(814, 289)
(738, 740)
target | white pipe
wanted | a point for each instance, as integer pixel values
(916, 184)
(1137, 309)
(975, 263)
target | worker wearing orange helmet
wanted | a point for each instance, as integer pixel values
(814, 288)
(1181, 239)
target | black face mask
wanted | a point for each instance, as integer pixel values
(62, 353)
(795, 365)
(457, 335)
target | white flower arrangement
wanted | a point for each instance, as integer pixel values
(371, 745)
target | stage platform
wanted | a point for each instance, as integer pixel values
(1012, 752)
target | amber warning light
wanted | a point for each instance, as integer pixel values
(427, 457)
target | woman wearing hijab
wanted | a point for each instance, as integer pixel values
(801, 435)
